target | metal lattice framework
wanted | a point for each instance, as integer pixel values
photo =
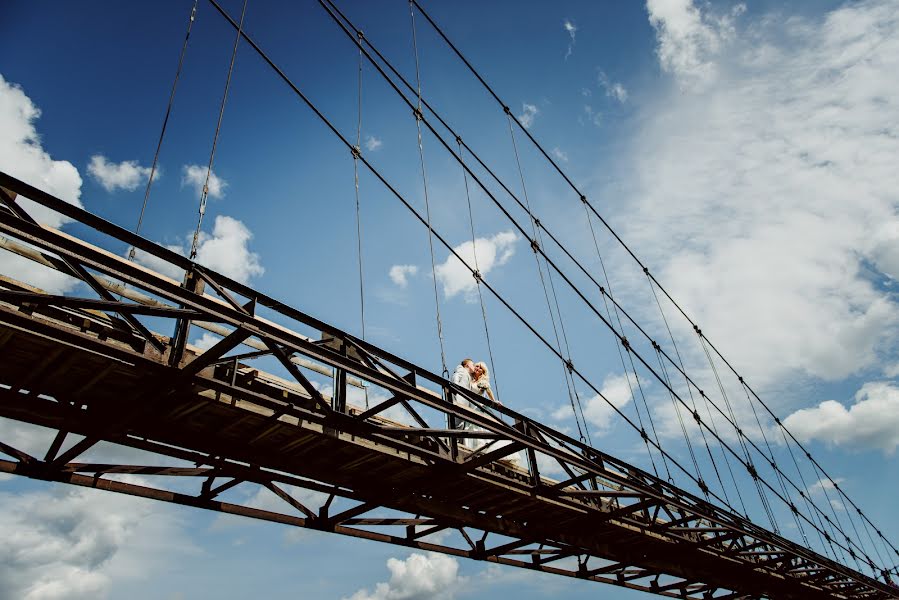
(91, 370)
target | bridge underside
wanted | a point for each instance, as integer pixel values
(91, 371)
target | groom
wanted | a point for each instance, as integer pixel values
(463, 376)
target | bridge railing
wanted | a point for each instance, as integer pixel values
(591, 479)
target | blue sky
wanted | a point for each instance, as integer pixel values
(746, 152)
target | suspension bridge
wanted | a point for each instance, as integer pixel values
(114, 365)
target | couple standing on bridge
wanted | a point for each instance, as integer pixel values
(475, 376)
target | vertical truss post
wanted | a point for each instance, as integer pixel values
(338, 399)
(451, 423)
(192, 283)
(532, 455)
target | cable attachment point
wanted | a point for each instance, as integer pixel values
(417, 113)
(703, 486)
(537, 223)
(697, 330)
(459, 140)
(584, 199)
(655, 346)
(477, 275)
(359, 35)
(697, 418)
(356, 152)
(569, 365)
(751, 468)
(626, 344)
(506, 110)
(643, 435)
(646, 271)
(740, 379)
(535, 246)
(793, 508)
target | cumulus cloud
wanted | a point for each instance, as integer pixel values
(491, 253)
(613, 89)
(528, 113)
(399, 274)
(871, 422)
(690, 39)
(766, 206)
(560, 154)
(372, 143)
(428, 576)
(225, 250)
(571, 29)
(74, 543)
(824, 484)
(598, 412)
(22, 156)
(126, 175)
(207, 341)
(195, 176)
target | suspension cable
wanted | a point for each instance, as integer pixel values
(680, 361)
(616, 236)
(535, 245)
(165, 122)
(215, 138)
(521, 230)
(424, 176)
(477, 268)
(355, 153)
(440, 238)
(550, 263)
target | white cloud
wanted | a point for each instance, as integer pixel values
(871, 422)
(74, 543)
(824, 484)
(372, 143)
(26, 271)
(226, 250)
(126, 175)
(207, 341)
(491, 253)
(571, 29)
(560, 154)
(195, 177)
(399, 274)
(528, 113)
(892, 370)
(22, 156)
(613, 89)
(598, 412)
(592, 116)
(689, 39)
(420, 577)
(762, 205)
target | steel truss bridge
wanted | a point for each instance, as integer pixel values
(90, 370)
